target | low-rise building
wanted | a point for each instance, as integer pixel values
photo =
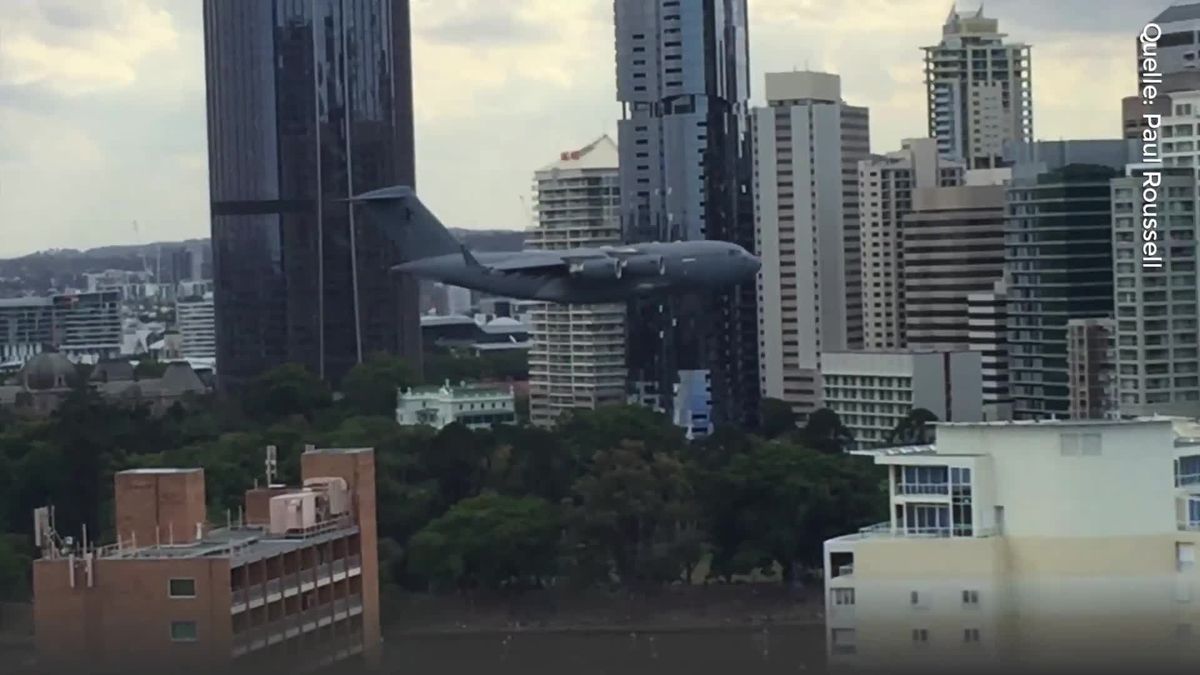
(873, 391)
(291, 584)
(476, 406)
(1025, 544)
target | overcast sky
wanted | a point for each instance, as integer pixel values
(102, 101)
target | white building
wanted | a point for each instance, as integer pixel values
(987, 333)
(1158, 362)
(808, 144)
(872, 392)
(196, 321)
(885, 194)
(476, 406)
(577, 356)
(1025, 544)
(979, 91)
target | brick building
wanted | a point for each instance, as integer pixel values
(292, 582)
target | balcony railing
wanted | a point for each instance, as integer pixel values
(923, 488)
(845, 570)
(291, 584)
(289, 627)
(1189, 526)
(1187, 479)
(885, 530)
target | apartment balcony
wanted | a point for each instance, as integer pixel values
(923, 489)
(1188, 525)
(288, 627)
(293, 584)
(884, 531)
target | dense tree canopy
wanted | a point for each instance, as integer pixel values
(615, 496)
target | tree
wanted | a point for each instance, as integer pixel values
(634, 517)
(287, 391)
(370, 387)
(826, 433)
(148, 369)
(590, 431)
(778, 418)
(915, 429)
(489, 541)
(15, 563)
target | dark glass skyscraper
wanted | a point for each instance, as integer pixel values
(309, 103)
(686, 170)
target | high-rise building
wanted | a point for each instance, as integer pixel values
(979, 91)
(292, 581)
(1059, 260)
(1038, 547)
(1158, 367)
(683, 82)
(1091, 356)
(577, 359)
(872, 392)
(807, 147)
(987, 333)
(82, 326)
(309, 103)
(1178, 46)
(953, 247)
(196, 321)
(885, 189)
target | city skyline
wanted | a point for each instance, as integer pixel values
(496, 90)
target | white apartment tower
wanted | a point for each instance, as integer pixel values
(196, 320)
(1026, 547)
(1158, 364)
(577, 359)
(885, 191)
(979, 91)
(808, 145)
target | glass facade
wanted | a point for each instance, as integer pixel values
(686, 167)
(309, 103)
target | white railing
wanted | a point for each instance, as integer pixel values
(922, 488)
(290, 584)
(885, 530)
(845, 570)
(1189, 526)
(1187, 479)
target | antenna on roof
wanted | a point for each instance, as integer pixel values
(271, 465)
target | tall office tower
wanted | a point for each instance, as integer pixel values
(1157, 361)
(1058, 259)
(804, 231)
(1091, 353)
(885, 187)
(683, 82)
(309, 103)
(979, 91)
(1178, 47)
(953, 247)
(578, 355)
(987, 333)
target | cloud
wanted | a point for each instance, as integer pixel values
(480, 24)
(77, 48)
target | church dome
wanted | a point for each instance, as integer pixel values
(49, 370)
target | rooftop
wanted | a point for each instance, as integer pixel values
(463, 390)
(1173, 13)
(1061, 423)
(239, 544)
(600, 154)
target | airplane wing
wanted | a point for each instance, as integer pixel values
(555, 261)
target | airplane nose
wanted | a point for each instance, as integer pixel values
(754, 263)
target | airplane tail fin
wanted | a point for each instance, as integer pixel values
(399, 213)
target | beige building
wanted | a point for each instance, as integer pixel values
(885, 193)
(980, 95)
(807, 149)
(288, 585)
(577, 355)
(1026, 544)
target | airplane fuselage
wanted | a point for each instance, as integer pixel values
(655, 269)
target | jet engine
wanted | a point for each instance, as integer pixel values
(598, 270)
(645, 265)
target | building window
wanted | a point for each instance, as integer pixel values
(183, 631)
(970, 597)
(182, 588)
(971, 635)
(920, 635)
(843, 596)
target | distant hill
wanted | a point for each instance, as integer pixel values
(40, 272)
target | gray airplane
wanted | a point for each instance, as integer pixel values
(577, 275)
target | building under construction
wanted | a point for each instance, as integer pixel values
(291, 582)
